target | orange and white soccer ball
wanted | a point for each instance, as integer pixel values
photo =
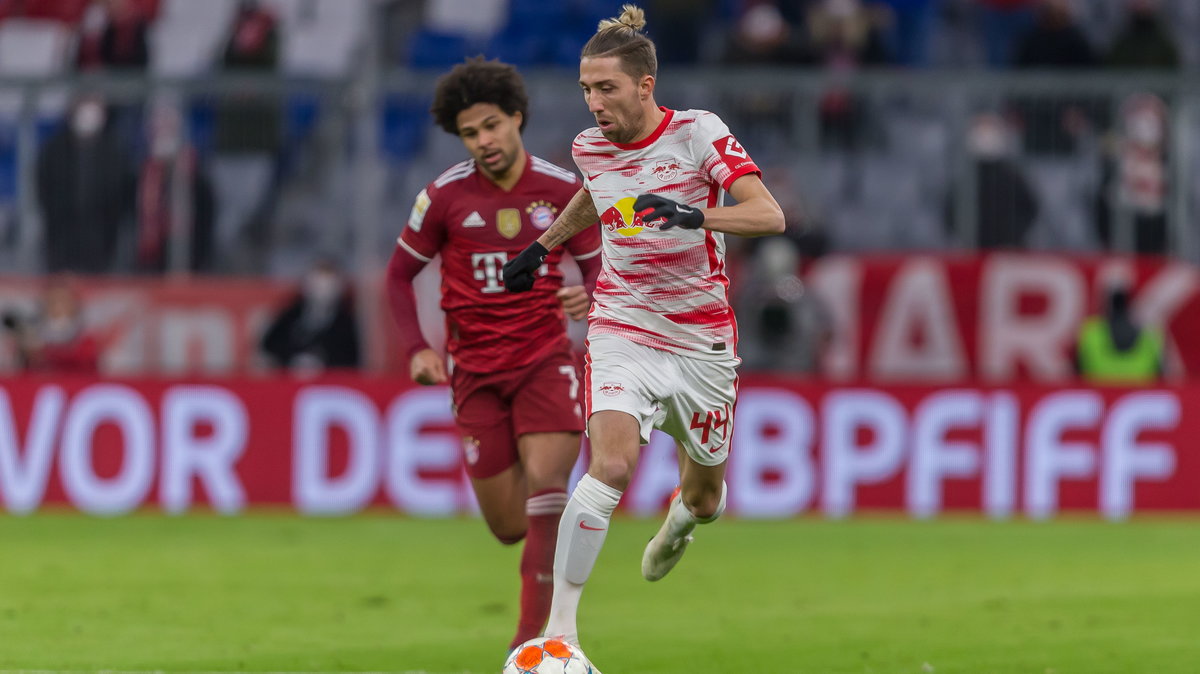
(547, 655)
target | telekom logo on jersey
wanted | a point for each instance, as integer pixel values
(487, 269)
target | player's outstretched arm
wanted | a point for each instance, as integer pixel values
(756, 213)
(579, 214)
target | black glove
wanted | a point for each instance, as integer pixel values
(677, 214)
(518, 272)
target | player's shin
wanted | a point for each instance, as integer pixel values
(681, 521)
(667, 546)
(544, 510)
(581, 534)
(716, 513)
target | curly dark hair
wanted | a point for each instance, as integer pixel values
(478, 81)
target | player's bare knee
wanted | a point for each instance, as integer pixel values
(541, 478)
(706, 506)
(614, 471)
(705, 502)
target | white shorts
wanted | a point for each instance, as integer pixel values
(689, 399)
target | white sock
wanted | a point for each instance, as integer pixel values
(681, 521)
(581, 533)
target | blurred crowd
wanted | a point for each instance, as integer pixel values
(172, 184)
(827, 33)
(121, 186)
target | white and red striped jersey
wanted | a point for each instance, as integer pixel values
(666, 290)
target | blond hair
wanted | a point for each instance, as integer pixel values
(623, 37)
(632, 17)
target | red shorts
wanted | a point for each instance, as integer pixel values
(492, 410)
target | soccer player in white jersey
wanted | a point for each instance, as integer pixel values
(662, 342)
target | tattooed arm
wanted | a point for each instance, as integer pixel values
(579, 214)
(576, 217)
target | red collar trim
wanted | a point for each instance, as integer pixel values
(662, 126)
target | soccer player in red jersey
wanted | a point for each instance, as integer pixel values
(513, 376)
(662, 341)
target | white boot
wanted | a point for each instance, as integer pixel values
(665, 550)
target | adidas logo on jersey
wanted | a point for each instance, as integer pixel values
(473, 220)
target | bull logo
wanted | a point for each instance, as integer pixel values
(621, 219)
(666, 170)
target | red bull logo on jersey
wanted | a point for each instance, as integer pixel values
(666, 170)
(621, 219)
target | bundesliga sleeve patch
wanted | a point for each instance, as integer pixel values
(417, 215)
(732, 153)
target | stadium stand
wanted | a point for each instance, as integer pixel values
(320, 37)
(34, 47)
(902, 152)
(187, 37)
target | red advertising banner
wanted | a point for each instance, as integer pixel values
(174, 326)
(995, 318)
(914, 318)
(338, 445)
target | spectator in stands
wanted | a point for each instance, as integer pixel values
(1055, 40)
(1003, 23)
(1143, 42)
(55, 339)
(247, 141)
(1114, 349)
(1055, 124)
(844, 36)
(1134, 183)
(763, 36)
(86, 189)
(1005, 205)
(175, 200)
(253, 40)
(318, 329)
(911, 28)
(685, 22)
(786, 327)
(113, 35)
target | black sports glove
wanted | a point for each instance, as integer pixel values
(518, 272)
(677, 214)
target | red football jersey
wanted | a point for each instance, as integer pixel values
(477, 227)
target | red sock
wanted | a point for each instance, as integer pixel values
(537, 562)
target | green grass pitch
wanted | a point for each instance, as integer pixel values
(376, 592)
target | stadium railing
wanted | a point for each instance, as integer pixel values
(874, 162)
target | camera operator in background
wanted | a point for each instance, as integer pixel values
(55, 339)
